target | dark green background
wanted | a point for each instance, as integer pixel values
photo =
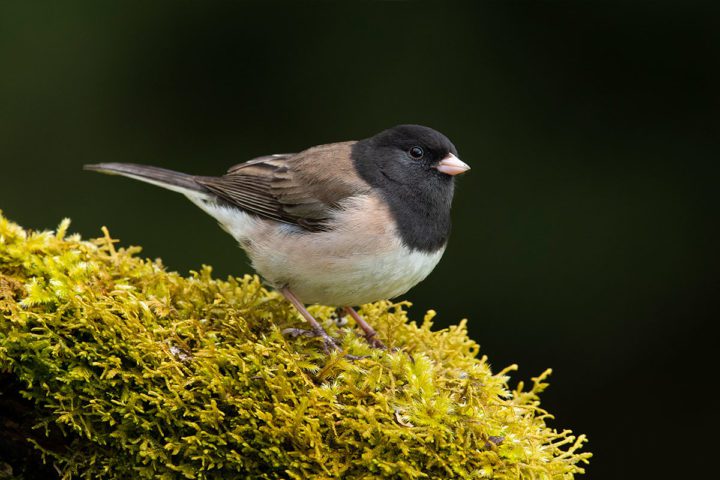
(583, 236)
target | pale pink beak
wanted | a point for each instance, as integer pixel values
(452, 165)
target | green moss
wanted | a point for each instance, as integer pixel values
(126, 370)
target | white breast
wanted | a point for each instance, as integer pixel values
(360, 260)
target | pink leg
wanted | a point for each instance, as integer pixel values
(370, 333)
(328, 343)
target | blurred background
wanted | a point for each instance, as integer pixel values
(583, 236)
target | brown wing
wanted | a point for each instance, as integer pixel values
(264, 158)
(302, 189)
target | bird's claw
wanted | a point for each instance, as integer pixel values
(375, 342)
(328, 343)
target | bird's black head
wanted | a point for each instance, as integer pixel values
(406, 154)
(413, 168)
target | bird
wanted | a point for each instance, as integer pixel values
(340, 224)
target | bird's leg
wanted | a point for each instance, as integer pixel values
(317, 330)
(370, 333)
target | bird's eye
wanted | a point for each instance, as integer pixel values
(416, 152)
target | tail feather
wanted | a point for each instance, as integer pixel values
(175, 181)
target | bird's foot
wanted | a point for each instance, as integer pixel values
(316, 329)
(329, 344)
(375, 342)
(370, 333)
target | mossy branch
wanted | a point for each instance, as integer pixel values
(113, 367)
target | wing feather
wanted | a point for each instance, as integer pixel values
(303, 189)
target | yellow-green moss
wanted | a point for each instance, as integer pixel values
(148, 374)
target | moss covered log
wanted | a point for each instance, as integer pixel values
(113, 367)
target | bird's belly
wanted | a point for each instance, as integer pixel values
(360, 260)
(352, 279)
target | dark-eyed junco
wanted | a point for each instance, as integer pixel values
(340, 224)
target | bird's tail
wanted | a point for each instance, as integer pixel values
(175, 181)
